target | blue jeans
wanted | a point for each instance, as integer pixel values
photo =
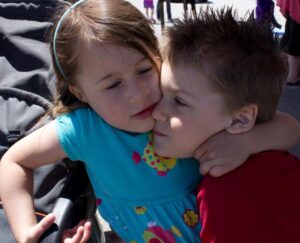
(168, 9)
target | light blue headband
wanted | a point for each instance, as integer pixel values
(56, 32)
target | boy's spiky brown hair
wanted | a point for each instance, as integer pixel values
(240, 58)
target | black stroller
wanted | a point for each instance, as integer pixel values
(26, 90)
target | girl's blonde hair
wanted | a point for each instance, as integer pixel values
(98, 21)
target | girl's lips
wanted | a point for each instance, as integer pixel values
(144, 114)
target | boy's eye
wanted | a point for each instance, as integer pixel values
(114, 85)
(179, 102)
(144, 70)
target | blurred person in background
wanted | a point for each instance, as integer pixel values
(265, 13)
(290, 42)
(149, 7)
(158, 7)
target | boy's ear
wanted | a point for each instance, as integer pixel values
(77, 92)
(243, 120)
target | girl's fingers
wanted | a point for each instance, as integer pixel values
(87, 231)
(220, 170)
(43, 225)
(214, 168)
(205, 167)
(200, 152)
(78, 234)
(70, 236)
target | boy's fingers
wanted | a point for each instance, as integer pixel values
(43, 225)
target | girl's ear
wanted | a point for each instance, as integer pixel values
(77, 92)
(243, 120)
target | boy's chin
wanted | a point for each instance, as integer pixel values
(162, 152)
(171, 153)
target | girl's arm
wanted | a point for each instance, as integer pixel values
(224, 152)
(16, 180)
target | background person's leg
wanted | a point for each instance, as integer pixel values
(185, 8)
(169, 12)
(193, 6)
(158, 10)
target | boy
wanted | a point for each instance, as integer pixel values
(224, 74)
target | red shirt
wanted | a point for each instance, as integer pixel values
(258, 202)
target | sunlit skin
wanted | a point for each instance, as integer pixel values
(189, 112)
(120, 84)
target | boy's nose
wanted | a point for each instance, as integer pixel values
(159, 112)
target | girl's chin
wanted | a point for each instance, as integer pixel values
(142, 129)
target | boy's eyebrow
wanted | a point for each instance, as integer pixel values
(112, 74)
(176, 91)
(184, 93)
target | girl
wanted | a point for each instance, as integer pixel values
(107, 63)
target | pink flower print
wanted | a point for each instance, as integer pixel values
(136, 157)
(98, 201)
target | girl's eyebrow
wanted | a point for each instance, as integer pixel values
(105, 77)
(112, 74)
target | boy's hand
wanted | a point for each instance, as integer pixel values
(78, 234)
(222, 153)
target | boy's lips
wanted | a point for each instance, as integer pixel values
(158, 133)
(145, 113)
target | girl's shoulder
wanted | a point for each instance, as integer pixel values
(81, 114)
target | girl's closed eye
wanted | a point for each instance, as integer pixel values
(144, 70)
(114, 85)
(179, 102)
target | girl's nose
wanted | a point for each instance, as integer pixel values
(138, 92)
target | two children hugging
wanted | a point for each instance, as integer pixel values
(108, 67)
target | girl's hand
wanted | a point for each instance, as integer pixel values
(222, 153)
(225, 152)
(78, 234)
(36, 231)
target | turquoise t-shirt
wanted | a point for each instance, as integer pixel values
(143, 196)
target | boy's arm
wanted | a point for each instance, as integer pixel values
(16, 180)
(224, 152)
